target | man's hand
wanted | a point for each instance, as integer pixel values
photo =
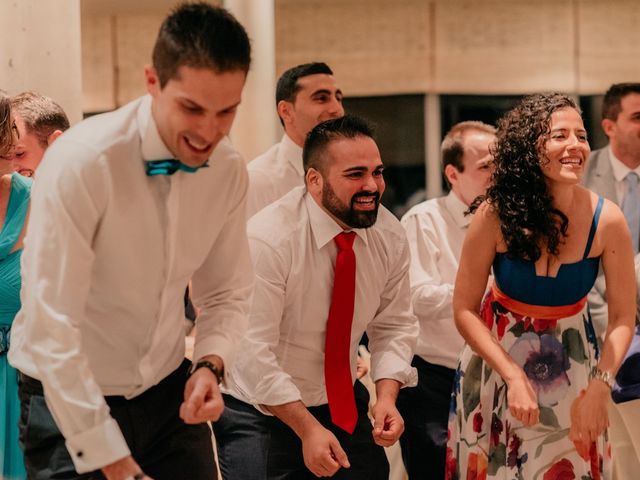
(322, 452)
(124, 469)
(388, 424)
(202, 399)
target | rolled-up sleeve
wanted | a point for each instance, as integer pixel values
(394, 330)
(263, 381)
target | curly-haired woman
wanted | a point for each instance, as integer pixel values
(14, 203)
(531, 392)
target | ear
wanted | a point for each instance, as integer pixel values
(608, 126)
(55, 134)
(151, 80)
(313, 180)
(285, 111)
(451, 173)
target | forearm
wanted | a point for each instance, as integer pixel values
(616, 343)
(296, 416)
(482, 341)
(387, 390)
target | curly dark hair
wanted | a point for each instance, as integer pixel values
(518, 190)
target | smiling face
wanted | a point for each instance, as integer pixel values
(27, 152)
(317, 100)
(351, 184)
(195, 110)
(566, 149)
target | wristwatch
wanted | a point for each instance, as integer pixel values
(210, 366)
(603, 376)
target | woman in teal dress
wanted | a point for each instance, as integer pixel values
(14, 204)
(532, 388)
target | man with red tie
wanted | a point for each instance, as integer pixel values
(329, 265)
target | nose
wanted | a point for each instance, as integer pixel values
(335, 108)
(370, 184)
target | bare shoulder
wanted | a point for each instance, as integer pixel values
(486, 224)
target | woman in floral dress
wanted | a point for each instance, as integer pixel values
(531, 392)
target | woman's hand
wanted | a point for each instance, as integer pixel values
(589, 416)
(522, 400)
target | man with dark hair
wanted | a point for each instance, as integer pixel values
(100, 334)
(39, 121)
(330, 263)
(305, 96)
(614, 172)
(436, 230)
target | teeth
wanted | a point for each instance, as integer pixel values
(194, 144)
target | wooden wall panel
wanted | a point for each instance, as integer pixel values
(374, 46)
(609, 44)
(504, 47)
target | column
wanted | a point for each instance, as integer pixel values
(257, 127)
(41, 50)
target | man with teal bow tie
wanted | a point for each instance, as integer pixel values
(100, 334)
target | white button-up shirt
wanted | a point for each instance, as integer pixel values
(108, 255)
(274, 174)
(294, 255)
(436, 230)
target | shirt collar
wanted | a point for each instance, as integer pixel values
(456, 208)
(152, 147)
(620, 170)
(292, 152)
(323, 227)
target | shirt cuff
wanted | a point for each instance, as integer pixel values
(408, 377)
(95, 448)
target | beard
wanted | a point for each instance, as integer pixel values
(348, 214)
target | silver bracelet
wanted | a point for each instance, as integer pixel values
(603, 376)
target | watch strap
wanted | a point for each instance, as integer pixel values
(207, 364)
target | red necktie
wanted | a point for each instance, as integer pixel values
(337, 365)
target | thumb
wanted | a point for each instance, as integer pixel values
(339, 454)
(378, 424)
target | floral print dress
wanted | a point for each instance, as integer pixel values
(544, 325)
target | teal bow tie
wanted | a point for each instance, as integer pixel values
(169, 167)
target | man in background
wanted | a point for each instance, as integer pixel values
(436, 230)
(39, 121)
(305, 96)
(614, 172)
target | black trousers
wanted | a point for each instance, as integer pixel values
(253, 446)
(162, 444)
(425, 410)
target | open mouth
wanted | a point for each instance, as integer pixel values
(197, 146)
(571, 161)
(366, 202)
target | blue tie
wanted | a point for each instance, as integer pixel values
(169, 166)
(631, 208)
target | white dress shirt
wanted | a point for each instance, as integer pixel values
(620, 171)
(436, 230)
(274, 174)
(294, 255)
(107, 258)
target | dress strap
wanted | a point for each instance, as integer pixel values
(594, 226)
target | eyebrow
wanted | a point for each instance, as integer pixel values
(324, 91)
(361, 169)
